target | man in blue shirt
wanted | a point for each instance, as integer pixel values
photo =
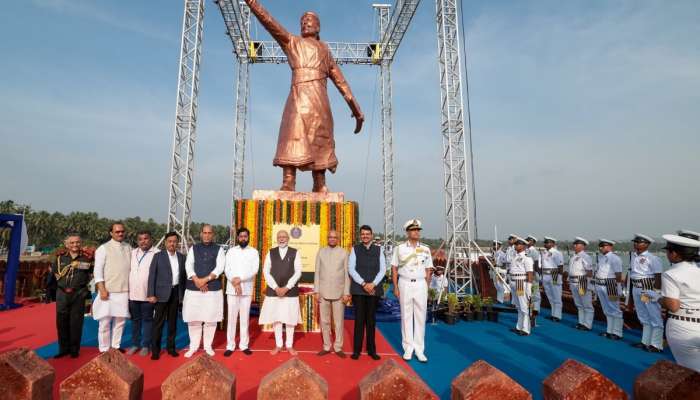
(367, 268)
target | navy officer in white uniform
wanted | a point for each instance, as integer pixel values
(645, 273)
(411, 271)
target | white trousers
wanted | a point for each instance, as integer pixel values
(584, 304)
(277, 327)
(684, 341)
(553, 292)
(413, 299)
(195, 328)
(649, 315)
(237, 305)
(536, 295)
(500, 285)
(109, 333)
(521, 303)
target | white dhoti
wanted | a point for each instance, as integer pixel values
(684, 341)
(413, 299)
(201, 311)
(111, 315)
(237, 305)
(281, 310)
(553, 291)
(584, 304)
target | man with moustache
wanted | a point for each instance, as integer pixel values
(140, 308)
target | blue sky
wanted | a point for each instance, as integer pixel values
(584, 113)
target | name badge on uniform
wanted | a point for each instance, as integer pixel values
(82, 265)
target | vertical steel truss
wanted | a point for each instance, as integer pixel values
(456, 163)
(184, 137)
(387, 133)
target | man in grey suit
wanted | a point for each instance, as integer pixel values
(165, 289)
(332, 286)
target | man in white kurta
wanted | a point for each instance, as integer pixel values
(203, 303)
(281, 304)
(411, 270)
(111, 306)
(242, 263)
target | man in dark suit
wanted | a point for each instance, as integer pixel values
(165, 289)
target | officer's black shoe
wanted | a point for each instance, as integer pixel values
(173, 353)
(355, 356)
(578, 326)
(585, 328)
(61, 354)
(652, 349)
(615, 337)
(604, 334)
(228, 353)
(555, 319)
(523, 333)
(514, 330)
(639, 345)
(375, 356)
(155, 356)
(247, 352)
(74, 355)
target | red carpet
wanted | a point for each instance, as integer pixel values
(34, 326)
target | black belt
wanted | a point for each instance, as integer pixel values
(604, 281)
(408, 279)
(682, 318)
(646, 283)
(71, 290)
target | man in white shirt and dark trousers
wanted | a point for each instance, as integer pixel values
(242, 263)
(367, 267)
(111, 306)
(140, 308)
(552, 272)
(282, 271)
(411, 270)
(203, 303)
(166, 285)
(645, 274)
(608, 287)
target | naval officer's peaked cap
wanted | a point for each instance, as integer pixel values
(681, 241)
(602, 242)
(638, 237)
(412, 224)
(579, 239)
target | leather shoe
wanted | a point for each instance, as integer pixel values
(375, 356)
(604, 334)
(173, 353)
(652, 349)
(228, 353)
(155, 356)
(74, 355)
(355, 356)
(340, 354)
(639, 345)
(323, 353)
(247, 352)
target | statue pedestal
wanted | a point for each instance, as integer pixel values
(307, 217)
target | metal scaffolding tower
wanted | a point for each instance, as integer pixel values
(456, 156)
(182, 167)
(392, 26)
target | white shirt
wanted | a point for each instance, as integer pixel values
(412, 261)
(267, 264)
(218, 270)
(681, 282)
(580, 264)
(608, 265)
(100, 261)
(138, 273)
(510, 254)
(174, 267)
(499, 257)
(552, 259)
(522, 263)
(534, 254)
(438, 282)
(642, 265)
(242, 263)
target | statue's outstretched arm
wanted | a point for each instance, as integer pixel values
(269, 23)
(338, 79)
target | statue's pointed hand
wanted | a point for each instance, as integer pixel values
(359, 119)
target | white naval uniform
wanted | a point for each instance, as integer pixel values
(507, 260)
(500, 259)
(242, 263)
(682, 282)
(551, 260)
(521, 264)
(536, 296)
(112, 313)
(608, 265)
(579, 267)
(412, 263)
(645, 266)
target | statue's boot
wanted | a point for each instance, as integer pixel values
(320, 181)
(289, 179)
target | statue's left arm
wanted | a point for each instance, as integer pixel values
(344, 88)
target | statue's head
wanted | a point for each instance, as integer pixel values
(310, 25)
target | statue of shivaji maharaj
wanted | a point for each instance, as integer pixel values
(306, 132)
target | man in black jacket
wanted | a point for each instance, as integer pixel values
(165, 290)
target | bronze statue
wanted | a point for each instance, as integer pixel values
(306, 132)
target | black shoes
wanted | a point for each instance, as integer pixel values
(652, 349)
(247, 352)
(155, 356)
(605, 334)
(228, 353)
(173, 353)
(375, 356)
(355, 356)
(639, 345)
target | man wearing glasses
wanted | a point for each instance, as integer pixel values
(111, 307)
